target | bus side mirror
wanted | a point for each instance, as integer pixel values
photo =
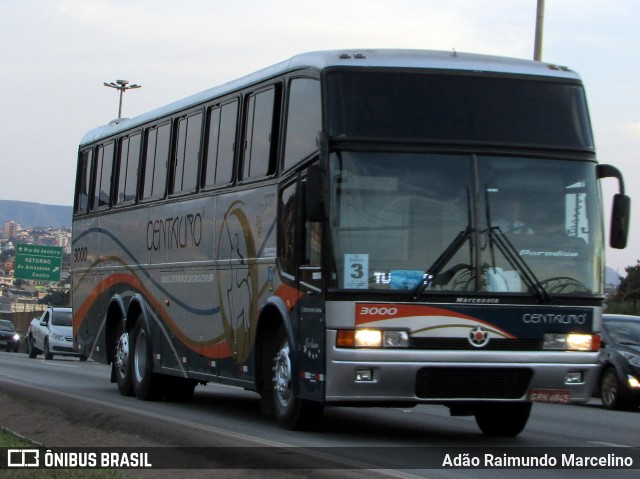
(314, 205)
(620, 212)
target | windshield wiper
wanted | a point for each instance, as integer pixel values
(497, 237)
(516, 262)
(433, 271)
(430, 276)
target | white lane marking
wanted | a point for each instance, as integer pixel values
(609, 444)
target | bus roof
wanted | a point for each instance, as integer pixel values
(320, 60)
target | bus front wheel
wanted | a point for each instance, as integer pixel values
(291, 411)
(502, 419)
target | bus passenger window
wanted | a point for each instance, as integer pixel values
(82, 181)
(128, 169)
(221, 145)
(102, 176)
(260, 135)
(187, 153)
(304, 120)
(156, 157)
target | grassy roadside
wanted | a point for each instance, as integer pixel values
(10, 440)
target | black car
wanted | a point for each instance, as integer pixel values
(619, 384)
(9, 337)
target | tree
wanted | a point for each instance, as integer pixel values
(7, 254)
(629, 287)
(56, 298)
(626, 298)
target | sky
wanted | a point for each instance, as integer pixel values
(56, 54)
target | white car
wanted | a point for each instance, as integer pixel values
(51, 334)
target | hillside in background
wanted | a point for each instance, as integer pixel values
(30, 215)
(612, 277)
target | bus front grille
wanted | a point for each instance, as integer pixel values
(472, 383)
(461, 344)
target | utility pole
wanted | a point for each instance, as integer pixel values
(537, 49)
(121, 86)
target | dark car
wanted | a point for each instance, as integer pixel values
(9, 337)
(619, 384)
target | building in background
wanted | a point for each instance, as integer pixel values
(11, 228)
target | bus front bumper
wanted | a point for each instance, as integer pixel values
(422, 376)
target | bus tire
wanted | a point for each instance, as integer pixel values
(291, 411)
(147, 386)
(502, 419)
(121, 365)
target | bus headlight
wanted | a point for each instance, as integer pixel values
(368, 338)
(571, 342)
(372, 338)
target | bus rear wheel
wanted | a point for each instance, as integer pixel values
(122, 365)
(291, 411)
(147, 386)
(502, 419)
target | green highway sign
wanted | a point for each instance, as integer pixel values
(38, 263)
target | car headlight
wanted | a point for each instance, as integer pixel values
(571, 342)
(16, 337)
(372, 338)
(633, 382)
(632, 358)
(57, 337)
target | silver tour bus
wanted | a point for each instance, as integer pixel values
(376, 227)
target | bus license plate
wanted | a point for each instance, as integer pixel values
(562, 396)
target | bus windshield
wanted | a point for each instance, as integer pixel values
(464, 222)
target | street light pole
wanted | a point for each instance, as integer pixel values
(537, 49)
(121, 86)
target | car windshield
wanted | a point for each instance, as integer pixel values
(464, 222)
(623, 331)
(61, 318)
(7, 326)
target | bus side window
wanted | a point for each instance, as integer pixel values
(128, 169)
(304, 120)
(83, 177)
(261, 136)
(313, 243)
(218, 167)
(288, 215)
(156, 158)
(102, 176)
(185, 167)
